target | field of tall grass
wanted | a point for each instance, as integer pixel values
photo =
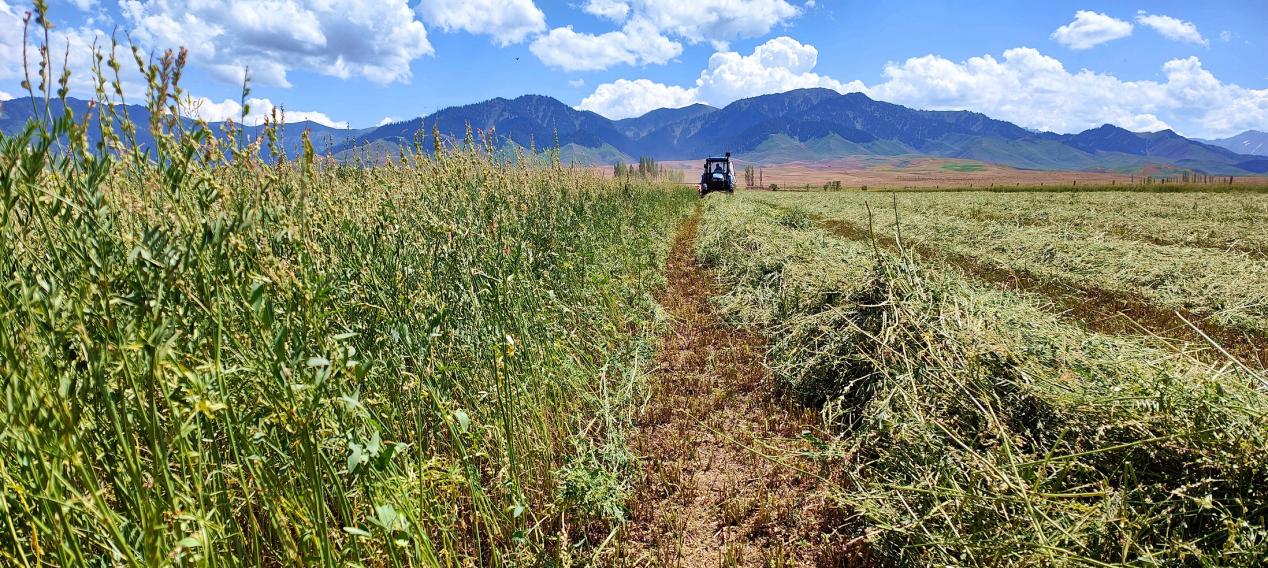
(983, 430)
(208, 358)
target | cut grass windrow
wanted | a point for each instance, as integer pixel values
(1223, 222)
(1224, 288)
(1254, 250)
(982, 430)
(1101, 310)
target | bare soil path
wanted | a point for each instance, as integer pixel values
(731, 478)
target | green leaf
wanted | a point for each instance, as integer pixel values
(356, 457)
(354, 531)
(387, 516)
(353, 401)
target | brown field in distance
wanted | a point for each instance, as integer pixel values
(925, 172)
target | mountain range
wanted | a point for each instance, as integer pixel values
(1249, 142)
(798, 125)
(16, 113)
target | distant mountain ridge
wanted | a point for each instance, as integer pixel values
(641, 126)
(15, 113)
(1249, 142)
(798, 125)
(821, 124)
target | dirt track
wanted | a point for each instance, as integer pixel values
(728, 479)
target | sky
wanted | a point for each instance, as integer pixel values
(1199, 68)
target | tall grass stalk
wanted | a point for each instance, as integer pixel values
(209, 358)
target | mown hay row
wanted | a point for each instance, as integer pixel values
(1228, 288)
(983, 430)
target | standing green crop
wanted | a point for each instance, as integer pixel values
(208, 357)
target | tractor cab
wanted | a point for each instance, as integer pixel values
(718, 176)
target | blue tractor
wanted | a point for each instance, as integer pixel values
(718, 176)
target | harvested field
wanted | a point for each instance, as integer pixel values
(981, 429)
(219, 348)
(1098, 309)
(922, 172)
(730, 476)
(1225, 288)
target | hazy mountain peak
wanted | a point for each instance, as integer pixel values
(1249, 142)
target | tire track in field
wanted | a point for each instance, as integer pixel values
(728, 479)
(1101, 310)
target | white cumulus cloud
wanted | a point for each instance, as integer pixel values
(72, 46)
(1172, 28)
(507, 21)
(624, 98)
(652, 30)
(574, 51)
(1035, 90)
(636, 43)
(375, 39)
(779, 65)
(1023, 86)
(259, 109)
(5, 96)
(715, 21)
(1090, 29)
(10, 41)
(614, 10)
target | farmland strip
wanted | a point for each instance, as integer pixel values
(726, 477)
(1227, 288)
(1101, 310)
(981, 430)
(1251, 250)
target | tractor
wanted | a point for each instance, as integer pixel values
(718, 176)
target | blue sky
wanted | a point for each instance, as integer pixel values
(1198, 68)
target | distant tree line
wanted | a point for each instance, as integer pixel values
(647, 168)
(753, 176)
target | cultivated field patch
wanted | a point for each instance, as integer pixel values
(978, 427)
(1223, 287)
(731, 474)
